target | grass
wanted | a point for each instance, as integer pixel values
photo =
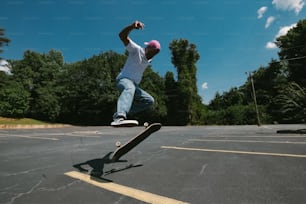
(20, 121)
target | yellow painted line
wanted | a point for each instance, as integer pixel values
(248, 141)
(235, 152)
(124, 190)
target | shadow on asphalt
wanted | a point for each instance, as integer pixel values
(97, 167)
(299, 131)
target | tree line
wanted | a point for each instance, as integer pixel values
(280, 88)
(43, 86)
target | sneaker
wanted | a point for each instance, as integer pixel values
(121, 122)
(117, 122)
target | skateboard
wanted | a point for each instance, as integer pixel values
(122, 150)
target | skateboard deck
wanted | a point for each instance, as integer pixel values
(135, 141)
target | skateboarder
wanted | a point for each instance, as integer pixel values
(132, 98)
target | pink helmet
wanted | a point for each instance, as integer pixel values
(153, 43)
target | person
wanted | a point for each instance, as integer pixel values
(132, 98)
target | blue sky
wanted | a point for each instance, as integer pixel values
(232, 36)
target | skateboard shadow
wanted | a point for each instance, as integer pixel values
(97, 166)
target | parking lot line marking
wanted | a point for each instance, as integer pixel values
(30, 137)
(248, 141)
(74, 135)
(235, 152)
(124, 190)
(259, 136)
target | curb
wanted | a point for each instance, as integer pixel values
(13, 126)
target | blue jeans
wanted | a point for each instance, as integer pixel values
(132, 98)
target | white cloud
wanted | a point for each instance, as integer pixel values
(204, 86)
(269, 21)
(289, 5)
(271, 45)
(261, 12)
(282, 31)
(5, 67)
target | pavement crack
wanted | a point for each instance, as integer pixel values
(203, 169)
(41, 189)
(121, 198)
(28, 171)
(8, 188)
(152, 155)
(19, 195)
(64, 187)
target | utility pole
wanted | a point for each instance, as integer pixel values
(254, 98)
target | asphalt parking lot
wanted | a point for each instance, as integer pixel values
(205, 164)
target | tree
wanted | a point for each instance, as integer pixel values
(3, 40)
(14, 99)
(155, 85)
(293, 52)
(184, 58)
(172, 98)
(88, 89)
(292, 100)
(38, 75)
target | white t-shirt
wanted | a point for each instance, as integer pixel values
(135, 64)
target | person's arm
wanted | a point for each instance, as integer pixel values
(124, 34)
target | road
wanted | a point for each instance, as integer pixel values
(205, 164)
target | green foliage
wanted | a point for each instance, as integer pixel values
(235, 115)
(293, 52)
(292, 100)
(87, 89)
(172, 98)
(44, 87)
(280, 87)
(38, 75)
(188, 102)
(3, 40)
(14, 99)
(230, 98)
(155, 85)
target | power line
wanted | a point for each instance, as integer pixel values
(290, 59)
(295, 58)
(289, 48)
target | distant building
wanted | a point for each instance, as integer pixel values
(5, 67)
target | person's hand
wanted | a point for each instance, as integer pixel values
(138, 25)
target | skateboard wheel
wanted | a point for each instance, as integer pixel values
(146, 124)
(118, 144)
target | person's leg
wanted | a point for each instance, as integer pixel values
(125, 100)
(142, 101)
